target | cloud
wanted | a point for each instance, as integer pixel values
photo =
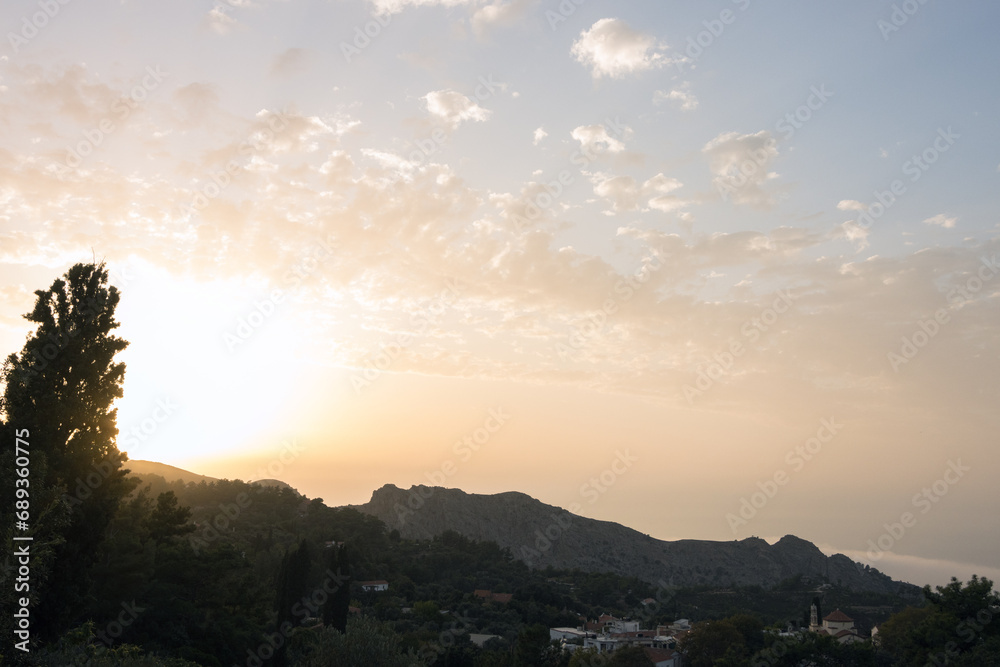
(611, 48)
(219, 21)
(626, 194)
(499, 13)
(289, 62)
(73, 93)
(538, 135)
(851, 205)
(454, 108)
(686, 99)
(941, 220)
(403, 224)
(854, 233)
(396, 6)
(740, 166)
(595, 139)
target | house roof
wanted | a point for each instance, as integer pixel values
(838, 616)
(658, 654)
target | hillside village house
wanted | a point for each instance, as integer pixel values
(502, 598)
(608, 634)
(663, 657)
(374, 586)
(836, 624)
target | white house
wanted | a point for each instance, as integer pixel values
(840, 626)
(602, 643)
(374, 586)
(557, 634)
(619, 625)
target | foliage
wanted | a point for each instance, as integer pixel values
(632, 656)
(957, 621)
(534, 648)
(58, 391)
(809, 648)
(367, 643)
(710, 641)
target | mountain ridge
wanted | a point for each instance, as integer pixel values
(541, 535)
(142, 468)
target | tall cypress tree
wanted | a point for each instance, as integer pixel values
(335, 610)
(293, 577)
(60, 389)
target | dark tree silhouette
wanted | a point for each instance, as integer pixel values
(168, 519)
(60, 389)
(291, 586)
(337, 606)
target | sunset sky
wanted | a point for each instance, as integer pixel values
(738, 247)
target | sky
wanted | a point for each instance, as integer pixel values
(710, 270)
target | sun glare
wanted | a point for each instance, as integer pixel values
(210, 389)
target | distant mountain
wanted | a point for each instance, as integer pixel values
(172, 473)
(543, 535)
(167, 472)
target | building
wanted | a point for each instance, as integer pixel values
(502, 598)
(557, 634)
(663, 657)
(374, 586)
(603, 643)
(814, 614)
(836, 624)
(609, 624)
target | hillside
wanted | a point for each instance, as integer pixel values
(171, 473)
(167, 472)
(543, 535)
